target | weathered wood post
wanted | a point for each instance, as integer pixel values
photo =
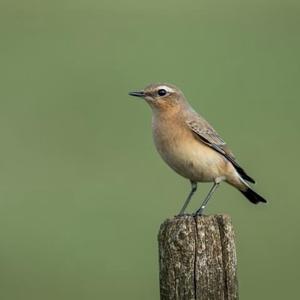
(197, 258)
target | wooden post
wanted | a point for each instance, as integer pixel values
(197, 258)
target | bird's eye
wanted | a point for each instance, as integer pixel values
(162, 92)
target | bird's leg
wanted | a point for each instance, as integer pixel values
(212, 190)
(188, 199)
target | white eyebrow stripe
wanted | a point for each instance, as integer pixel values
(167, 88)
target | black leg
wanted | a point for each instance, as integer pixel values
(188, 199)
(199, 212)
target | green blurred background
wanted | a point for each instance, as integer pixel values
(82, 189)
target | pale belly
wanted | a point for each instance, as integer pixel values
(191, 158)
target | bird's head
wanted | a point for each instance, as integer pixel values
(161, 96)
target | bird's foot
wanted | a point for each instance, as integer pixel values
(199, 212)
(183, 215)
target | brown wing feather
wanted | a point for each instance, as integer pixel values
(210, 137)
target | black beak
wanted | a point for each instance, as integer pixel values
(137, 94)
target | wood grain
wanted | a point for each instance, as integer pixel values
(197, 258)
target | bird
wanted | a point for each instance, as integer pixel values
(191, 146)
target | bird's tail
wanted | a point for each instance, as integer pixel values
(253, 196)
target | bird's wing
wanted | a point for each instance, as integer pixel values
(210, 137)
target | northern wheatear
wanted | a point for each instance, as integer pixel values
(190, 145)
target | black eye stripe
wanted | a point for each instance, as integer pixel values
(162, 92)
